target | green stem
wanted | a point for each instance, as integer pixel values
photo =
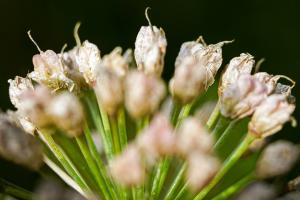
(181, 192)
(234, 188)
(64, 160)
(213, 119)
(225, 135)
(122, 128)
(229, 162)
(220, 126)
(176, 183)
(93, 167)
(15, 191)
(115, 135)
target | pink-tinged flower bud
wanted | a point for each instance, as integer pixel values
(277, 159)
(257, 191)
(34, 104)
(150, 49)
(109, 90)
(189, 81)
(127, 168)
(18, 146)
(143, 93)
(17, 87)
(269, 80)
(240, 99)
(49, 70)
(157, 140)
(270, 116)
(115, 62)
(201, 169)
(67, 113)
(192, 137)
(87, 59)
(237, 66)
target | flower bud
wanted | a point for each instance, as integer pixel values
(115, 62)
(201, 169)
(240, 99)
(143, 93)
(158, 139)
(18, 146)
(237, 66)
(277, 159)
(257, 191)
(269, 80)
(34, 104)
(21, 121)
(150, 50)
(189, 81)
(270, 116)
(17, 87)
(67, 113)
(49, 70)
(109, 90)
(192, 137)
(128, 168)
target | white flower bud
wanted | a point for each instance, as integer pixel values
(269, 80)
(109, 90)
(150, 49)
(192, 137)
(201, 169)
(18, 146)
(270, 116)
(17, 87)
(277, 159)
(157, 140)
(237, 66)
(49, 70)
(143, 93)
(128, 168)
(240, 99)
(67, 113)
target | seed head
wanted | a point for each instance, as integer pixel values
(277, 159)
(270, 116)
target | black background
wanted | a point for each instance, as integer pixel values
(265, 28)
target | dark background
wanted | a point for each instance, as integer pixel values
(265, 28)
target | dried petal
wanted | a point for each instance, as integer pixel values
(240, 99)
(277, 159)
(237, 66)
(143, 93)
(127, 168)
(270, 116)
(67, 113)
(150, 50)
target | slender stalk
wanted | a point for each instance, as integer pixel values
(122, 128)
(64, 160)
(213, 119)
(93, 167)
(220, 126)
(225, 135)
(229, 162)
(181, 192)
(234, 188)
(15, 191)
(115, 135)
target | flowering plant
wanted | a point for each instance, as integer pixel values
(110, 129)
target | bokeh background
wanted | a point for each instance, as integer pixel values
(267, 29)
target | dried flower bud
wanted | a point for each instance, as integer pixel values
(128, 168)
(192, 136)
(17, 87)
(109, 90)
(67, 113)
(18, 146)
(115, 62)
(269, 80)
(277, 159)
(150, 49)
(201, 169)
(49, 70)
(237, 66)
(158, 139)
(240, 99)
(34, 104)
(143, 93)
(270, 116)
(294, 184)
(189, 81)
(257, 191)
(21, 121)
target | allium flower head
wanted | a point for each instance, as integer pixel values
(270, 116)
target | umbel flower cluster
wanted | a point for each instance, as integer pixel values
(111, 128)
